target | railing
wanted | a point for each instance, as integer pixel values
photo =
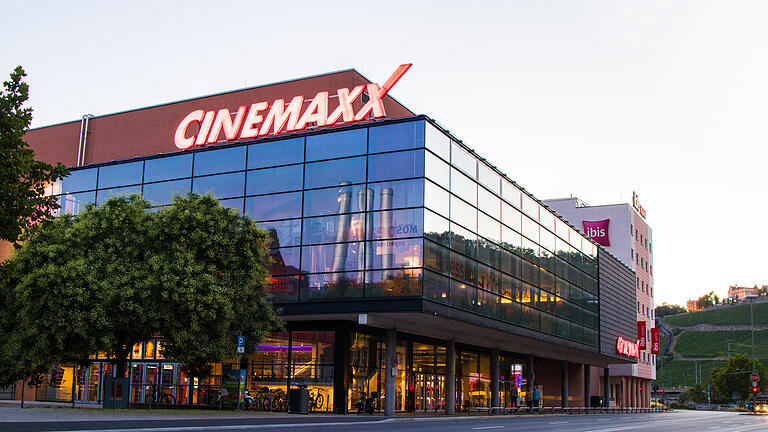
(207, 396)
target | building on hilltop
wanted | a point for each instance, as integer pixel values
(692, 306)
(736, 292)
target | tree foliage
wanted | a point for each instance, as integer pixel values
(22, 178)
(668, 309)
(707, 300)
(734, 377)
(119, 274)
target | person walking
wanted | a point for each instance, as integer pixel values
(536, 399)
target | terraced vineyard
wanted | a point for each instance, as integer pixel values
(695, 343)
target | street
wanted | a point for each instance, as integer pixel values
(678, 421)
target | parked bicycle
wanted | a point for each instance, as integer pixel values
(157, 396)
(316, 401)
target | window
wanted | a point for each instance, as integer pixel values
(168, 168)
(221, 186)
(274, 153)
(462, 160)
(464, 187)
(219, 160)
(271, 180)
(632, 253)
(161, 193)
(120, 175)
(638, 307)
(334, 172)
(397, 136)
(398, 165)
(336, 144)
(269, 207)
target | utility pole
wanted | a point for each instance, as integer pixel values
(752, 325)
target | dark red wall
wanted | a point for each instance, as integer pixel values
(150, 131)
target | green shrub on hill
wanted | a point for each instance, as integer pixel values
(678, 373)
(715, 343)
(725, 315)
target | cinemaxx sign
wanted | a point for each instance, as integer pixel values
(262, 118)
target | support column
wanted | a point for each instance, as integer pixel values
(531, 373)
(391, 371)
(564, 383)
(450, 377)
(494, 378)
(606, 387)
(587, 382)
(340, 371)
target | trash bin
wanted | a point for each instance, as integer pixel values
(298, 400)
(596, 401)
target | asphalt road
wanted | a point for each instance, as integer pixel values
(679, 421)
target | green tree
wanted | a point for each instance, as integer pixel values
(119, 274)
(734, 377)
(707, 300)
(22, 178)
(668, 309)
(696, 393)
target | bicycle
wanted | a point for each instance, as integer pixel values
(157, 396)
(316, 401)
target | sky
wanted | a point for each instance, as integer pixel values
(595, 99)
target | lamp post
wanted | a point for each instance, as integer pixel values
(751, 298)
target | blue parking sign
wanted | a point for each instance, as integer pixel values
(241, 344)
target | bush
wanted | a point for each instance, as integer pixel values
(676, 331)
(727, 315)
(715, 343)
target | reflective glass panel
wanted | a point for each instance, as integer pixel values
(387, 283)
(436, 228)
(396, 223)
(335, 172)
(530, 207)
(331, 201)
(489, 203)
(168, 168)
(462, 160)
(337, 228)
(284, 232)
(398, 136)
(436, 257)
(278, 206)
(120, 175)
(463, 187)
(285, 261)
(435, 287)
(463, 213)
(233, 203)
(221, 186)
(438, 142)
(463, 268)
(511, 217)
(437, 170)
(105, 194)
(463, 240)
(271, 180)
(328, 286)
(332, 257)
(510, 193)
(397, 194)
(390, 166)
(219, 160)
(488, 227)
(488, 177)
(336, 144)
(395, 253)
(547, 219)
(436, 198)
(73, 204)
(530, 229)
(161, 193)
(274, 153)
(79, 180)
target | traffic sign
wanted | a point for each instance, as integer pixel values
(240, 344)
(754, 377)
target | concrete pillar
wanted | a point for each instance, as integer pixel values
(341, 371)
(494, 378)
(531, 373)
(607, 387)
(587, 383)
(391, 372)
(564, 383)
(450, 377)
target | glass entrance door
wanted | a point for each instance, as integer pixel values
(88, 383)
(429, 392)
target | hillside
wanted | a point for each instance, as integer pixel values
(699, 341)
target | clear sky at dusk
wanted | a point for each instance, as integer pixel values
(587, 98)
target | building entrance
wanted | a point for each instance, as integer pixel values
(429, 392)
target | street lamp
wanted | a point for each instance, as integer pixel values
(752, 298)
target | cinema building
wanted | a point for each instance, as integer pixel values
(404, 264)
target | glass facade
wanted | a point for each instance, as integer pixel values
(382, 211)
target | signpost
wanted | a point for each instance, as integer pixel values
(240, 350)
(754, 377)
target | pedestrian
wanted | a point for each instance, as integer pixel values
(536, 398)
(513, 396)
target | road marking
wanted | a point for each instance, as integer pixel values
(227, 427)
(485, 427)
(563, 422)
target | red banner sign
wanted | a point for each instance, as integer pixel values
(655, 341)
(641, 335)
(626, 347)
(262, 118)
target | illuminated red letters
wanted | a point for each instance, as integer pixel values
(251, 122)
(626, 347)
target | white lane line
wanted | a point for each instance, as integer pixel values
(229, 427)
(484, 427)
(602, 420)
(562, 422)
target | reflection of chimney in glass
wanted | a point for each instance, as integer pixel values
(365, 203)
(342, 228)
(386, 226)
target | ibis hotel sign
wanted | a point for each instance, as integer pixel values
(271, 118)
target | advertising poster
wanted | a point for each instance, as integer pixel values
(229, 382)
